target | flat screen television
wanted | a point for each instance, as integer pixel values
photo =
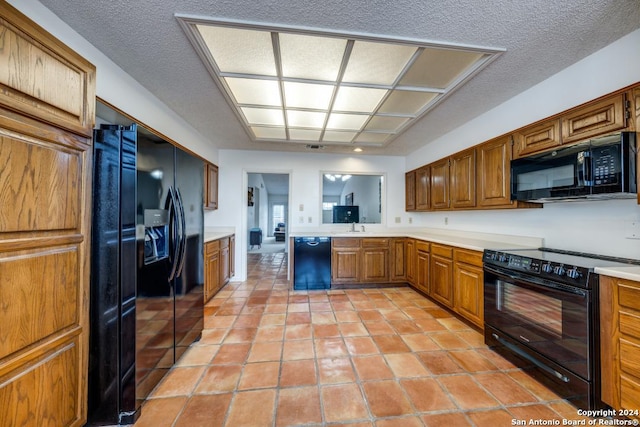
(346, 214)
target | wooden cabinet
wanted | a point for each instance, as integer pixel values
(397, 264)
(422, 266)
(410, 191)
(47, 112)
(494, 173)
(620, 342)
(210, 186)
(468, 285)
(375, 260)
(410, 260)
(539, 137)
(219, 264)
(440, 184)
(441, 286)
(359, 260)
(636, 102)
(595, 118)
(463, 179)
(345, 260)
(423, 188)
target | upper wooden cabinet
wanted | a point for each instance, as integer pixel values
(410, 191)
(423, 188)
(47, 108)
(42, 78)
(539, 137)
(210, 186)
(440, 184)
(494, 173)
(596, 118)
(463, 179)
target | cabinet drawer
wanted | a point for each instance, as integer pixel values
(211, 247)
(345, 242)
(630, 324)
(443, 251)
(468, 256)
(422, 246)
(630, 358)
(629, 295)
(375, 243)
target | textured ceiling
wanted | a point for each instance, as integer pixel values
(541, 37)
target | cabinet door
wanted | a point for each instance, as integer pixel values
(232, 255)
(468, 292)
(422, 271)
(411, 261)
(211, 186)
(224, 261)
(211, 269)
(463, 179)
(494, 173)
(441, 286)
(533, 139)
(397, 261)
(345, 265)
(423, 183)
(440, 184)
(596, 118)
(375, 265)
(410, 191)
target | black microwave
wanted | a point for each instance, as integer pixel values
(602, 167)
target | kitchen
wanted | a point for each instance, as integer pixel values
(609, 237)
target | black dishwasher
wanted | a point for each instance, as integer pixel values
(311, 263)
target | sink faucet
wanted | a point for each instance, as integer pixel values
(362, 228)
(353, 227)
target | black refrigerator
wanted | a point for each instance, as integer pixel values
(146, 268)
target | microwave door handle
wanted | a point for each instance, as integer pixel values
(587, 170)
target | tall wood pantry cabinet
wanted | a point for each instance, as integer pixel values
(47, 111)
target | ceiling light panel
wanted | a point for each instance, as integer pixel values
(263, 116)
(236, 50)
(311, 57)
(439, 68)
(254, 91)
(377, 63)
(307, 95)
(338, 88)
(358, 99)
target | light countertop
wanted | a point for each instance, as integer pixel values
(630, 272)
(214, 233)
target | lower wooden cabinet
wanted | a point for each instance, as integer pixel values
(360, 260)
(219, 265)
(468, 285)
(423, 261)
(441, 286)
(620, 343)
(397, 263)
(410, 260)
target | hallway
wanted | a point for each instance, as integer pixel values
(367, 357)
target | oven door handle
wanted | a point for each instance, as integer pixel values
(535, 281)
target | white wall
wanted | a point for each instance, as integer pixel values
(120, 89)
(600, 227)
(304, 171)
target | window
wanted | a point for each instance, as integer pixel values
(278, 215)
(328, 206)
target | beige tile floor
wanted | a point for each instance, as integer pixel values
(270, 356)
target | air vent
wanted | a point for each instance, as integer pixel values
(315, 147)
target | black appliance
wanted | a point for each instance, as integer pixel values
(311, 263)
(541, 312)
(346, 214)
(147, 268)
(599, 168)
(112, 352)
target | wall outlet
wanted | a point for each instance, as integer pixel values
(301, 207)
(398, 220)
(446, 220)
(410, 220)
(310, 220)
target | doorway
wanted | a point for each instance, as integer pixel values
(267, 212)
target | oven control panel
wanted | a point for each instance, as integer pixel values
(555, 271)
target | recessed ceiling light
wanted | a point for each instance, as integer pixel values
(358, 150)
(328, 86)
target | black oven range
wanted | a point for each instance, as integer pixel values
(541, 312)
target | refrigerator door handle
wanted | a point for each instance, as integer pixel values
(174, 240)
(183, 233)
